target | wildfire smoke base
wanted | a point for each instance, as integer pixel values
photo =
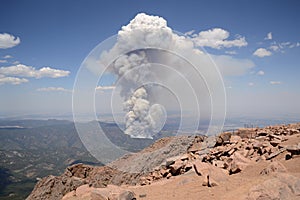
(143, 54)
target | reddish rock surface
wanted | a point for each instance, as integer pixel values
(248, 164)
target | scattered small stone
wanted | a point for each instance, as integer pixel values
(143, 195)
(175, 168)
(288, 156)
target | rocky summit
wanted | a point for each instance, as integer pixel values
(248, 164)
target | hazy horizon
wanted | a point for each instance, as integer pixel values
(43, 46)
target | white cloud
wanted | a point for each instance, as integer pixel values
(8, 41)
(218, 38)
(269, 36)
(103, 88)
(230, 66)
(250, 84)
(274, 48)
(231, 52)
(12, 80)
(7, 56)
(260, 73)
(53, 89)
(294, 45)
(283, 44)
(262, 52)
(275, 82)
(3, 61)
(189, 33)
(29, 71)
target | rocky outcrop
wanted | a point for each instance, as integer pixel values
(232, 152)
(55, 187)
(155, 155)
(111, 192)
(214, 159)
(126, 170)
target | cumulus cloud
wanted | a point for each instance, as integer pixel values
(269, 36)
(250, 84)
(8, 41)
(217, 38)
(3, 61)
(275, 82)
(12, 80)
(7, 56)
(262, 52)
(53, 89)
(21, 70)
(104, 88)
(260, 73)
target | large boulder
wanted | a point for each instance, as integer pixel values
(176, 167)
(238, 163)
(212, 175)
(85, 192)
(223, 138)
(283, 187)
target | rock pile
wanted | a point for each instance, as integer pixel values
(214, 159)
(232, 152)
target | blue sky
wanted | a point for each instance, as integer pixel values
(60, 34)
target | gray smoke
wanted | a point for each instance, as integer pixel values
(129, 59)
(143, 120)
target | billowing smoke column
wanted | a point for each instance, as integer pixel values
(155, 69)
(144, 118)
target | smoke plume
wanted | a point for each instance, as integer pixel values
(144, 118)
(131, 60)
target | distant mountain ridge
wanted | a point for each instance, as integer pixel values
(43, 147)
